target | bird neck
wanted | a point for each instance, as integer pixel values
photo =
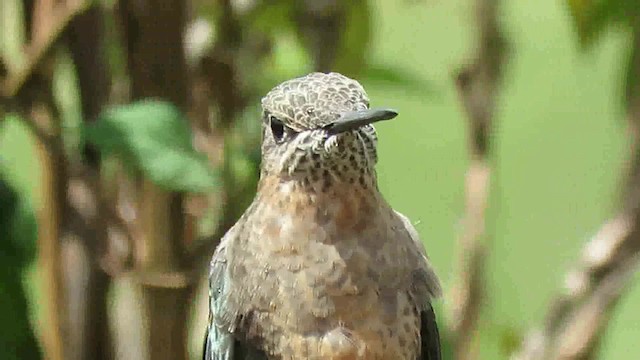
(345, 208)
(323, 180)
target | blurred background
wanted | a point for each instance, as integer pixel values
(129, 134)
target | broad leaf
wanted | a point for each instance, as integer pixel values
(153, 137)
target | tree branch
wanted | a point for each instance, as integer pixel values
(61, 16)
(153, 33)
(86, 243)
(577, 318)
(31, 88)
(50, 225)
(477, 85)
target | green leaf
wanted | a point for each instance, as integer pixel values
(592, 17)
(632, 78)
(153, 137)
(18, 221)
(271, 17)
(355, 41)
(17, 250)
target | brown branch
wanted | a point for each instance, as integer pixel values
(74, 334)
(321, 24)
(468, 296)
(49, 22)
(577, 318)
(220, 71)
(86, 246)
(477, 85)
(224, 74)
(153, 35)
(32, 88)
(50, 226)
(52, 23)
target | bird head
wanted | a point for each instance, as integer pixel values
(320, 125)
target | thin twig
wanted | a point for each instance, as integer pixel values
(477, 85)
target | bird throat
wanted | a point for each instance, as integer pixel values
(341, 204)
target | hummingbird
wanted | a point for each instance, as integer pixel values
(320, 266)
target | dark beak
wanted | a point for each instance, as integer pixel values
(355, 119)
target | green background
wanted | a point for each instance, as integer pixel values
(560, 149)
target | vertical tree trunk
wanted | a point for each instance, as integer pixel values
(89, 327)
(153, 32)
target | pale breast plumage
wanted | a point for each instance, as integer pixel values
(321, 292)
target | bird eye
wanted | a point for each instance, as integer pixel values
(277, 128)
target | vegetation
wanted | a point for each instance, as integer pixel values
(130, 126)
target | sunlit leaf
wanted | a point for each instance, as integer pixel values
(153, 137)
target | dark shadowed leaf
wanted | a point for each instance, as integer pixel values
(353, 51)
(18, 222)
(379, 74)
(17, 250)
(335, 34)
(632, 83)
(592, 17)
(153, 137)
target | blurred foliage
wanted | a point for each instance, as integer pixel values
(592, 17)
(386, 76)
(153, 137)
(17, 251)
(355, 42)
(297, 40)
